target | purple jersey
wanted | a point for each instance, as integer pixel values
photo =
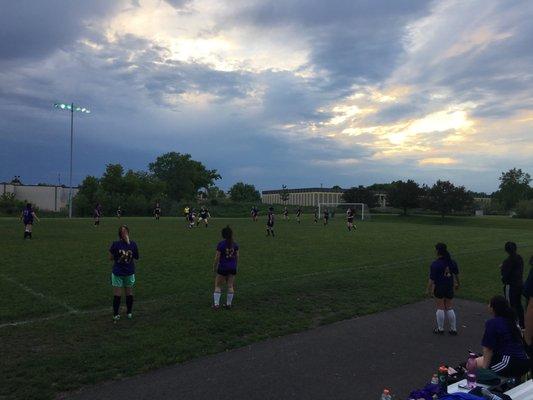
(124, 254)
(442, 272)
(27, 216)
(228, 255)
(500, 339)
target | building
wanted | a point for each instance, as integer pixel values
(47, 198)
(303, 197)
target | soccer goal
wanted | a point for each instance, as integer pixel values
(361, 210)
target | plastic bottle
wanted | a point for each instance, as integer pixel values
(443, 379)
(435, 379)
(489, 395)
(471, 371)
(386, 395)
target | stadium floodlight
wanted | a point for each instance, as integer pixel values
(70, 107)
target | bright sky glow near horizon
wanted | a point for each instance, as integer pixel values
(295, 92)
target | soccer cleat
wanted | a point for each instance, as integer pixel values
(227, 306)
(215, 307)
(452, 332)
(116, 318)
(130, 316)
(437, 331)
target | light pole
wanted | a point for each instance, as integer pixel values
(70, 107)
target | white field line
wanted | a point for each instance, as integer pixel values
(48, 299)
(311, 274)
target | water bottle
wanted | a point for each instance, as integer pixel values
(386, 395)
(489, 395)
(443, 379)
(435, 379)
(471, 371)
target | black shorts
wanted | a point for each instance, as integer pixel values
(509, 366)
(350, 220)
(226, 272)
(270, 225)
(443, 292)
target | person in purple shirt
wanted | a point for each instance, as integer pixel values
(225, 268)
(528, 317)
(28, 216)
(443, 279)
(270, 222)
(122, 253)
(503, 350)
(512, 272)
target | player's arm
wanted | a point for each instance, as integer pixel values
(430, 287)
(237, 256)
(487, 357)
(528, 333)
(216, 261)
(35, 216)
(21, 215)
(135, 251)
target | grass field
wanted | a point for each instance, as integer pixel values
(56, 332)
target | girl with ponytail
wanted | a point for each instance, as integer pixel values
(225, 268)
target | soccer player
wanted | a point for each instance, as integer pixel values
(254, 212)
(349, 219)
(97, 213)
(186, 212)
(191, 217)
(286, 214)
(119, 212)
(204, 216)
(298, 214)
(512, 272)
(28, 216)
(316, 215)
(326, 216)
(443, 279)
(122, 253)
(225, 267)
(157, 211)
(270, 222)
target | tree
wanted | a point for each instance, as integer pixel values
(514, 186)
(111, 180)
(284, 194)
(182, 175)
(404, 195)
(360, 194)
(243, 192)
(214, 192)
(444, 197)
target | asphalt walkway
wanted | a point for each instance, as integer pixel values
(352, 359)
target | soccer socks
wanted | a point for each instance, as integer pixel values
(116, 305)
(216, 298)
(129, 303)
(440, 319)
(452, 319)
(229, 299)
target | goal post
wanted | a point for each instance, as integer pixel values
(361, 210)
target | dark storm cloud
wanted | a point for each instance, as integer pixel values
(32, 29)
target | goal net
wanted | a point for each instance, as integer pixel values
(360, 210)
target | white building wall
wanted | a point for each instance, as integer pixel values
(48, 198)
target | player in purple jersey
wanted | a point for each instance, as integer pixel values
(97, 214)
(122, 253)
(28, 216)
(191, 218)
(326, 216)
(443, 281)
(270, 222)
(225, 268)
(349, 220)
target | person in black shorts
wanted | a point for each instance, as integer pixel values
(97, 214)
(349, 220)
(203, 216)
(443, 279)
(119, 212)
(270, 222)
(503, 348)
(298, 214)
(316, 215)
(28, 216)
(286, 214)
(157, 211)
(512, 272)
(254, 212)
(528, 315)
(326, 216)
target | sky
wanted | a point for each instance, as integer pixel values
(294, 92)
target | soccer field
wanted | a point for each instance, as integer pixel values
(56, 328)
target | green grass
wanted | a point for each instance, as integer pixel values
(307, 276)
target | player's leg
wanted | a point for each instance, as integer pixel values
(440, 315)
(129, 294)
(117, 283)
(219, 281)
(231, 290)
(450, 313)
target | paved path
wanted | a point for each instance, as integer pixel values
(352, 359)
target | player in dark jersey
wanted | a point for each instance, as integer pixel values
(119, 212)
(28, 216)
(97, 214)
(298, 214)
(254, 212)
(349, 219)
(203, 216)
(225, 268)
(191, 217)
(270, 222)
(326, 216)
(157, 211)
(316, 215)
(286, 214)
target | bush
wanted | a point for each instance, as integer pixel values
(525, 209)
(9, 205)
